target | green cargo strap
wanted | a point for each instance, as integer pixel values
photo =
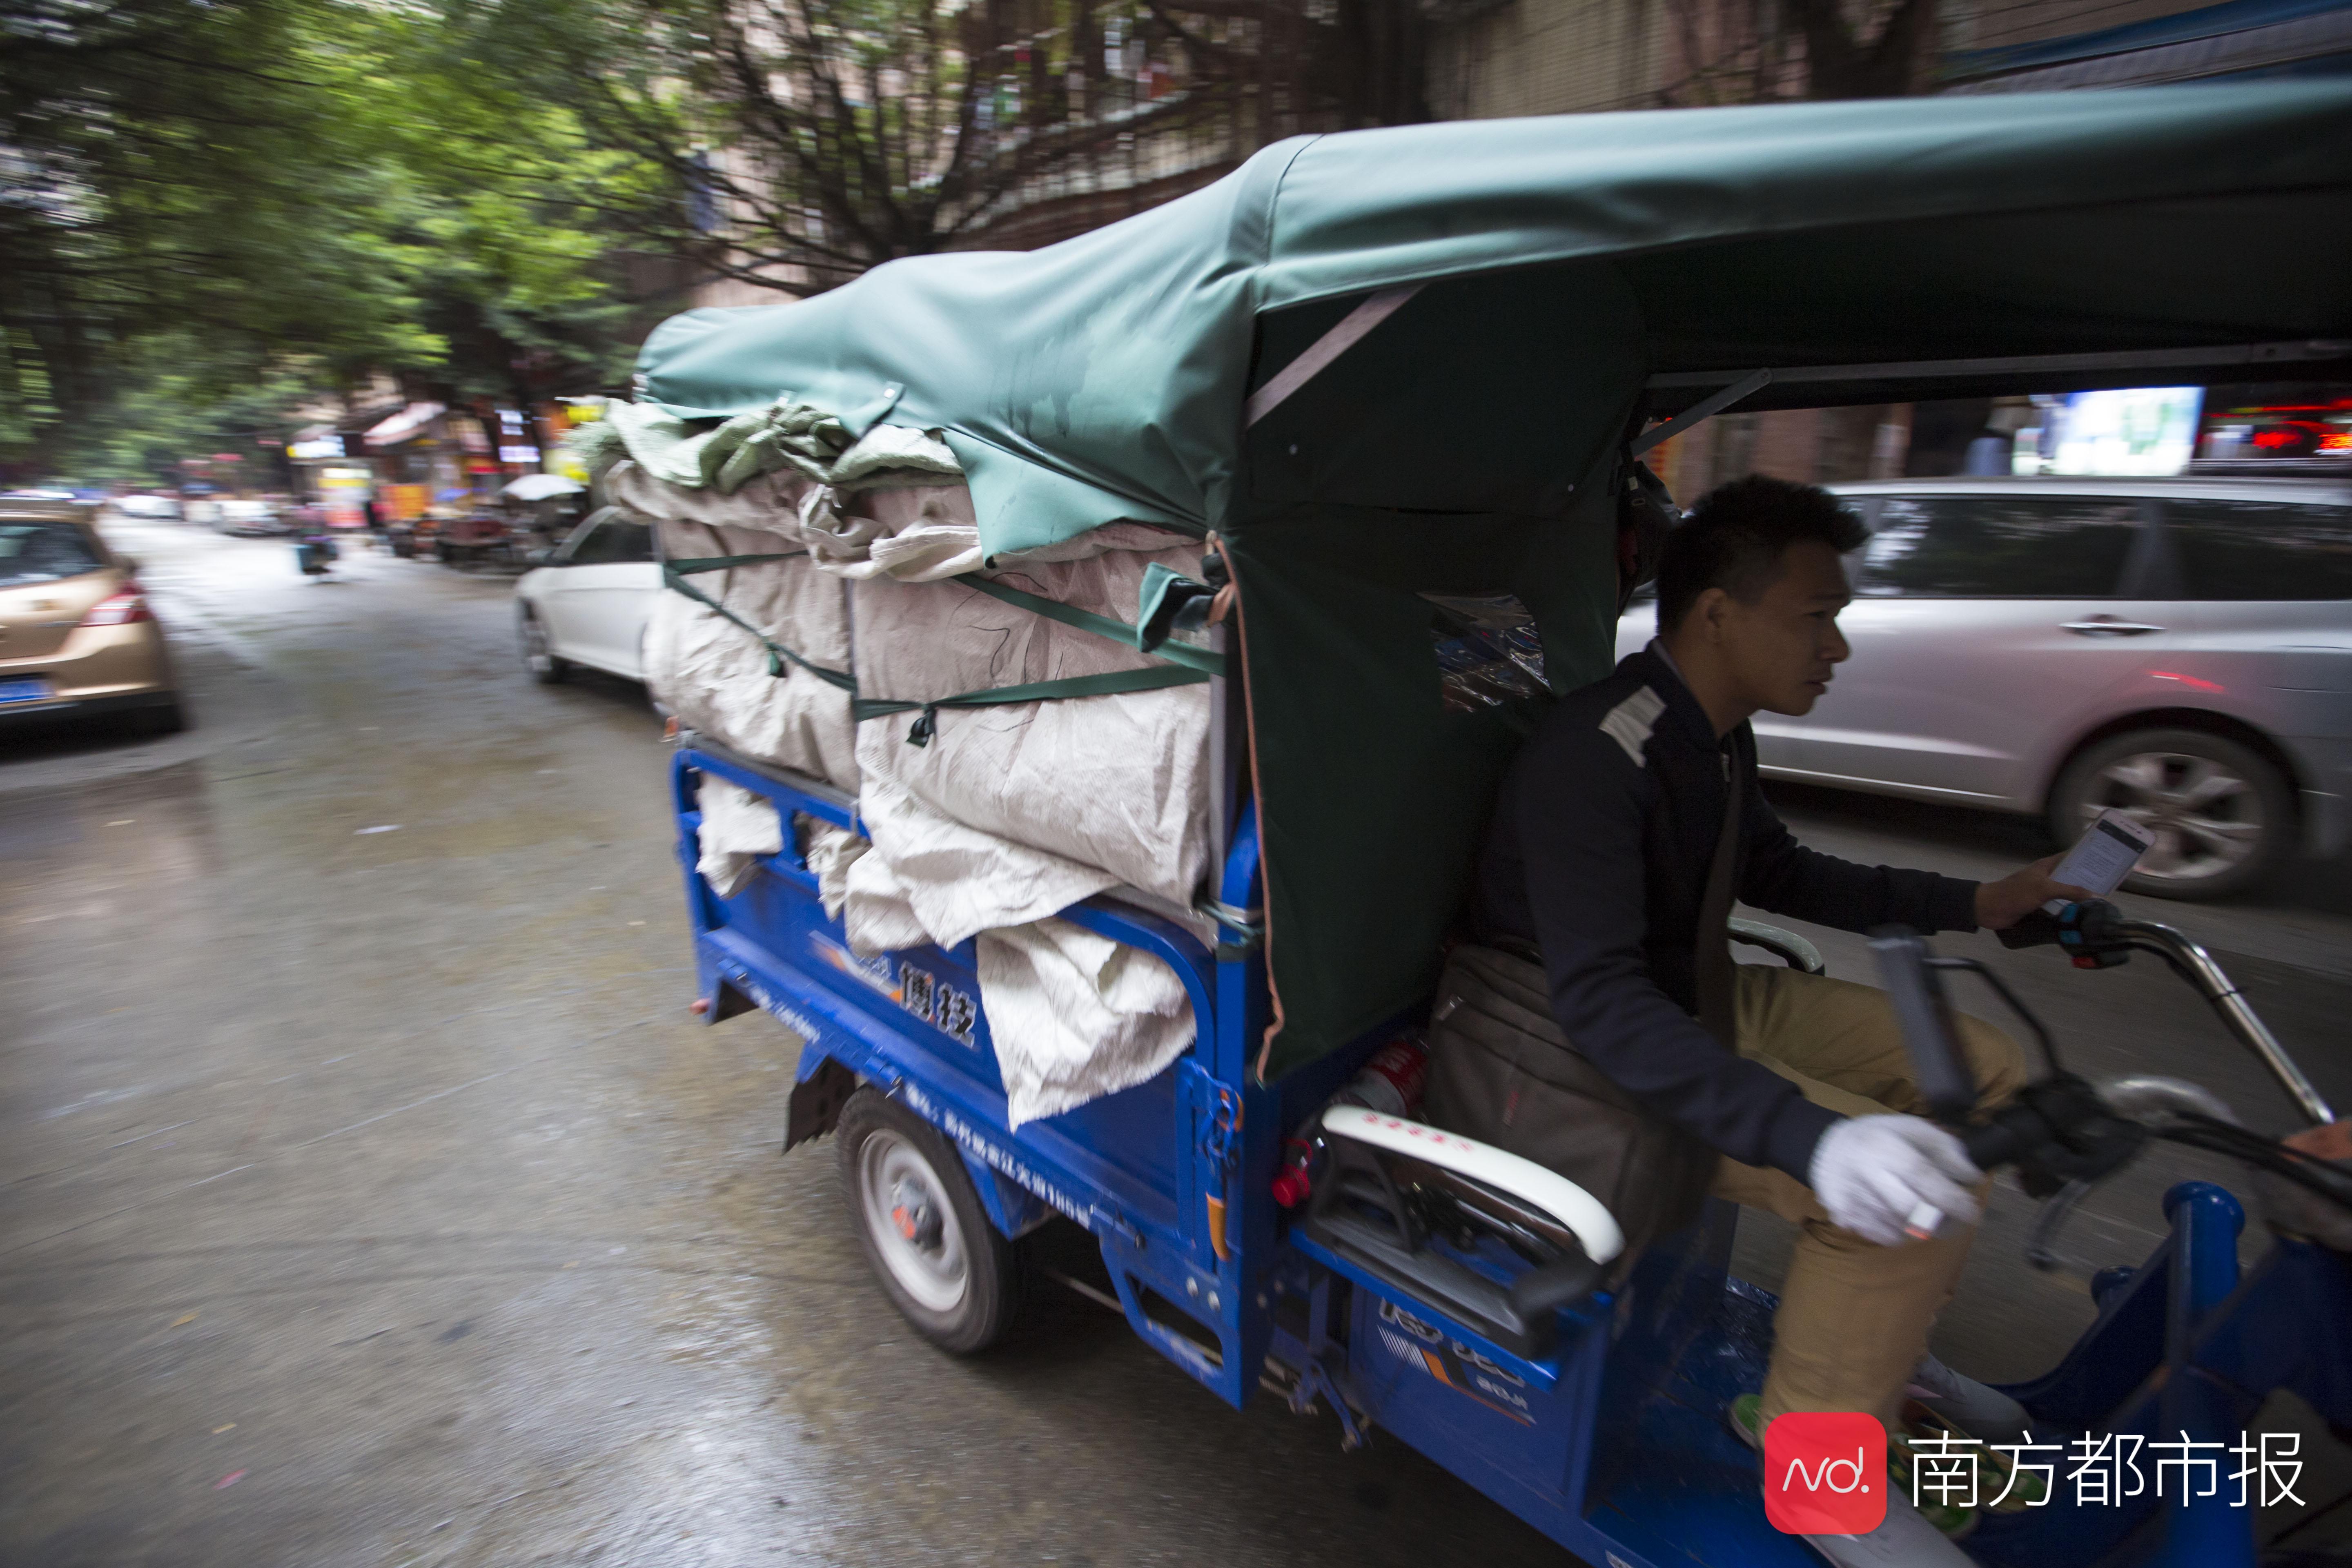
(1249, 925)
(693, 563)
(777, 652)
(920, 731)
(1120, 632)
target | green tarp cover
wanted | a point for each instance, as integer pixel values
(1467, 445)
(1115, 363)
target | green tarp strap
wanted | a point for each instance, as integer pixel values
(1187, 664)
(693, 563)
(920, 731)
(1249, 926)
(1120, 632)
(674, 576)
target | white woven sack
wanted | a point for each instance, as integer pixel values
(1117, 782)
(714, 675)
(770, 504)
(1075, 1016)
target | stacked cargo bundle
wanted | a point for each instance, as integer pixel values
(1013, 748)
(743, 572)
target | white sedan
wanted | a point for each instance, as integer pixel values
(588, 601)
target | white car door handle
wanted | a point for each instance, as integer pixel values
(2101, 627)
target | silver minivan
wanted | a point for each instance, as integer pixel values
(2179, 649)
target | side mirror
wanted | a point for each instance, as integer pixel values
(538, 558)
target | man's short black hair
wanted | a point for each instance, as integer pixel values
(1733, 538)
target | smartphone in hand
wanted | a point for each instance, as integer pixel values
(2103, 857)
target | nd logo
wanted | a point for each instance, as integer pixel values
(1825, 1473)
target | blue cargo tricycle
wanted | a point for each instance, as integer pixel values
(1383, 373)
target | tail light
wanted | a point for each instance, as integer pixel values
(120, 610)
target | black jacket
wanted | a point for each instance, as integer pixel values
(1599, 853)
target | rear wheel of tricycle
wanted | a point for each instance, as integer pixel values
(947, 1269)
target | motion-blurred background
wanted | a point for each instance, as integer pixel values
(320, 251)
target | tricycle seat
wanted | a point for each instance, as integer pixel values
(1491, 1239)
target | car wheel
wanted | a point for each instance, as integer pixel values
(164, 718)
(539, 654)
(644, 677)
(2222, 814)
(948, 1271)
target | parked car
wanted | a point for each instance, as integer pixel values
(75, 633)
(2178, 649)
(410, 538)
(251, 518)
(587, 601)
(476, 538)
(152, 508)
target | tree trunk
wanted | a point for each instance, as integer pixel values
(1838, 65)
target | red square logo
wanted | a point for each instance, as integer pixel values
(1825, 1472)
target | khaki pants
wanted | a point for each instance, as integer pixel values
(1854, 1316)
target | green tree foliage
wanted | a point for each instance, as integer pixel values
(818, 138)
(175, 396)
(203, 198)
(235, 207)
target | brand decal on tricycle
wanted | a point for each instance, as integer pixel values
(791, 1019)
(943, 1007)
(990, 1155)
(1461, 1367)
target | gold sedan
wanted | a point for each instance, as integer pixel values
(76, 634)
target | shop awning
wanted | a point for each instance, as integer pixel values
(406, 424)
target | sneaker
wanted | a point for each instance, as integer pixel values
(1975, 1409)
(1909, 1535)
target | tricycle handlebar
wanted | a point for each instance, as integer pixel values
(2096, 934)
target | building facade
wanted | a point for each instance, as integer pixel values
(1505, 58)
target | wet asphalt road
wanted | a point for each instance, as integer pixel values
(373, 1199)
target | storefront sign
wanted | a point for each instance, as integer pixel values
(2138, 430)
(400, 502)
(343, 491)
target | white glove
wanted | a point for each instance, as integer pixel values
(1875, 1174)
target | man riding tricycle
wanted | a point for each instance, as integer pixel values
(1128, 687)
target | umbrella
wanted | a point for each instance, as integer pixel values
(539, 487)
